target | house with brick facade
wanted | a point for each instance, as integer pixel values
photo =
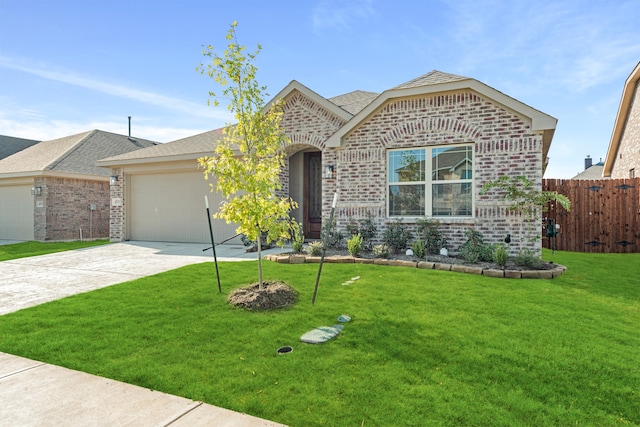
(623, 155)
(421, 149)
(53, 190)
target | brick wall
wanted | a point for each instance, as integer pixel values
(504, 145)
(117, 223)
(628, 156)
(66, 209)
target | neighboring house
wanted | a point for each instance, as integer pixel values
(53, 190)
(591, 171)
(372, 149)
(10, 145)
(623, 155)
(159, 195)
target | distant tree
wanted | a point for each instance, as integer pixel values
(250, 156)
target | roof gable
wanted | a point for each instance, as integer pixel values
(294, 86)
(437, 82)
(621, 118)
(75, 154)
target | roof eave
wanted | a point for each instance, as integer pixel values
(53, 174)
(618, 126)
(106, 163)
(540, 122)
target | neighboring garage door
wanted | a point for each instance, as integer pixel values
(16, 212)
(170, 208)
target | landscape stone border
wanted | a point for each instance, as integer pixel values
(427, 265)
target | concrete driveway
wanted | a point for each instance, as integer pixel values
(33, 393)
(26, 282)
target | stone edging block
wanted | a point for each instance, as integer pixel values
(427, 265)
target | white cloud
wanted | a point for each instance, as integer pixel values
(121, 91)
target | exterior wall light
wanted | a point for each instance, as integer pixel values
(329, 172)
(113, 179)
(36, 191)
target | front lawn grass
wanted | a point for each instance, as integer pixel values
(33, 248)
(425, 347)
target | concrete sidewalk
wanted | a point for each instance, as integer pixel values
(39, 394)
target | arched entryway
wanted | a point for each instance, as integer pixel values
(305, 187)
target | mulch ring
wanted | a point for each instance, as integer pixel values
(274, 295)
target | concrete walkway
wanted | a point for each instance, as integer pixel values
(38, 394)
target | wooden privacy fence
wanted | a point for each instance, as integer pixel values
(604, 216)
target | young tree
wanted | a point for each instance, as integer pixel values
(524, 198)
(249, 157)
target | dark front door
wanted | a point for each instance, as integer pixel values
(312, 195)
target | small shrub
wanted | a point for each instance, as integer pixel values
(314, 248)
(419, 248)
(331, 234)
(397, 236)
(297, 237)
(381, 251)
(526, 258)
(474, 249)
(367, 230)
(354, 245)
(352, 227)
(429, 231)
(500, 255)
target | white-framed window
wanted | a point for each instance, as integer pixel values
(431, 181)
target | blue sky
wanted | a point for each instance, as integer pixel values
(67, 66)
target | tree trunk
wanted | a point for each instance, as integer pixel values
(260, 260)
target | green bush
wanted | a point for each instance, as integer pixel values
(474, 249)
(366, 227)
(297, 237)
(315, 248)
(429, 232)
(367, 230)
(526, 258)
(381, 251)
(331, 234)
(500, 255)
(419, 249)
(351, 227)
(354, 245)
(397, 236)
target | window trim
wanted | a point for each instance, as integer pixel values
(429, 182)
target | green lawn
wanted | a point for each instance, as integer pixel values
(29, 249)
(424, 347)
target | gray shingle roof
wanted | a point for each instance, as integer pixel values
(594, 172)
(431, 78)
(71, 154)
(10, 145)
(194, 146)
(354, 102)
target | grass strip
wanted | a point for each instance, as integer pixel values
(33, 248)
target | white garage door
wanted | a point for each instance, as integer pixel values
(16, 213)
(170, 208)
